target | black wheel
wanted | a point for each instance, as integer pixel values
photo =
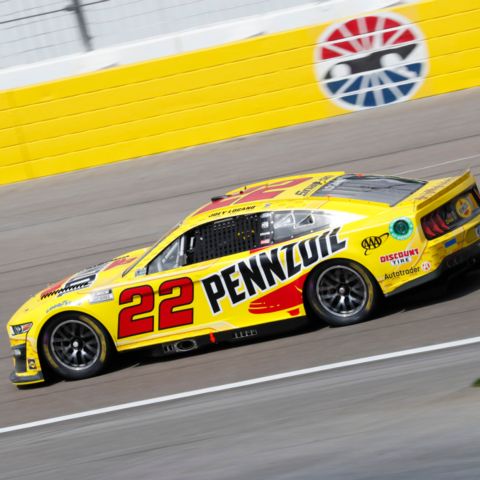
(341, 293)
(75, 346)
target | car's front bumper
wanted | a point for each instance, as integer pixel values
(26, 379)
(26, 364)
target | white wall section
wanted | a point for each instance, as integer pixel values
(207, 35)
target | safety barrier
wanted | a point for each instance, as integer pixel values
(392, 55)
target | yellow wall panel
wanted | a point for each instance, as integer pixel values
(12, 155)
(457, 61)
(452, 81)
(184, 82)
(445, 8)
(15, 173)
(175, 121)
(204, 134)
(8, 119)
(4, 102)
(165, 104)
(203, 59)
(455, 23)
(8, 137)
(456, 42)
(208, 95)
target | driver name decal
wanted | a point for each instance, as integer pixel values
(265, 270)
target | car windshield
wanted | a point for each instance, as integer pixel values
(147, 252)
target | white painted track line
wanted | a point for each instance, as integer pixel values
(245, 383)
(455, 160)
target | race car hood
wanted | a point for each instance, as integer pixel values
(102, 275)
(105, 273)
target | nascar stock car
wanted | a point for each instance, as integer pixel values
(327, 246)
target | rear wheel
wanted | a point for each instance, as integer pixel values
(75, 346)
(341, 293)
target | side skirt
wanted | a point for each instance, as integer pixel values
(234, 336)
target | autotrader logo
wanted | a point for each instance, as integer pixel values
(371, 61)
(402, 273)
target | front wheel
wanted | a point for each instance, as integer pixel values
(341, 293)
(75, 346)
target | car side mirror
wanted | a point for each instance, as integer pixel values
(140, 272)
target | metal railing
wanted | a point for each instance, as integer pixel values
(36, 30)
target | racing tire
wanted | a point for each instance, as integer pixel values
(341, 293)
(75, 346)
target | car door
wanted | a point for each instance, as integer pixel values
(167, 298)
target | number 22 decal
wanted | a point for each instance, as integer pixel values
(168, 316)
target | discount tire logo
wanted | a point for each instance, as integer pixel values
(371, 61)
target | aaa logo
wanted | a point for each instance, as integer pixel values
(373, 242)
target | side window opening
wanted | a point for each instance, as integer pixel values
(304, 220)
(225, 237)
(215, 239)
(233, 235)
(295, 223)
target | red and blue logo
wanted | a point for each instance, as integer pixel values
(371, 61)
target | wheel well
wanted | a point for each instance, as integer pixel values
(65, 314)
(332, 261)
(44, 354)
(363, 308)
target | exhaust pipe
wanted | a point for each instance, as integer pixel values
(181, 346)
(185, 345)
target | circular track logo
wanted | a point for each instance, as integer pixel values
(371, 61)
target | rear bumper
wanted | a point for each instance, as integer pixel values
(452, 263)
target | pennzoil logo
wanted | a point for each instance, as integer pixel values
(265, 270)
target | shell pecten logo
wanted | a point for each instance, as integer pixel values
(463, 207)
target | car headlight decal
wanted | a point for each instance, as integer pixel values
(101, 296)
(21, 328)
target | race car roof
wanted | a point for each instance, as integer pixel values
(313, 188)
(374, 188)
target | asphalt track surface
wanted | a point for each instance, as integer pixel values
(423, 412)
(413, 418)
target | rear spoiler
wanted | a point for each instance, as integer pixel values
(441, 189)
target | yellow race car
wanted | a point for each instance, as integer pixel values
(326, 245)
